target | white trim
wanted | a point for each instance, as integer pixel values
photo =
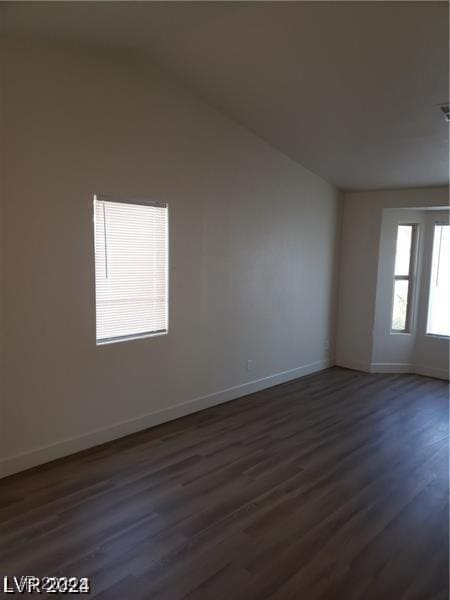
(438, 336)
(354, 365)
(432, 372)
(129, 338)
(392, 368)
(37, 456)
(124, 200)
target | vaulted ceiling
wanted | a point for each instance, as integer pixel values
(351, 90)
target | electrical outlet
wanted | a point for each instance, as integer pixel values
(248, 365)
(326, 344)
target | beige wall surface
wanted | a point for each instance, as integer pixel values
(2, 249)
(252, 252)
(360, 248)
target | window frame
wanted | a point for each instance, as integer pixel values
(139, 202)
(410, 278)
(428, 297)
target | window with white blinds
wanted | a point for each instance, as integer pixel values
(131, 268)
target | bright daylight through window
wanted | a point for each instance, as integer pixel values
(404, 258)
(439, 303)
(131, 266)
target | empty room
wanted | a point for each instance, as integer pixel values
(224, 300)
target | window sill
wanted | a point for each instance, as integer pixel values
(393, 332)
(130, 338)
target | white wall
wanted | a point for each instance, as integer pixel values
(360, 248)
(431, 353)
(394, 351)
(2, 247)
(415, 351)
(252, 252)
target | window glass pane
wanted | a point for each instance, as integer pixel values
(403, 251)
(130, 269)
(439, 305)
(400, 304)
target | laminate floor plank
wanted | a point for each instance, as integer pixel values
(327, 487)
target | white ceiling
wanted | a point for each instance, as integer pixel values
(348, 89)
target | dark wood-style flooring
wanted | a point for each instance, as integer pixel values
(331, 486)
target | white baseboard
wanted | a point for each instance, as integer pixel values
(432, 372)
(38, 456)
(394, 368)
(353, 365)
(391, 368)
(409, 368)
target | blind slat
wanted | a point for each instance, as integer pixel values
(131, 263)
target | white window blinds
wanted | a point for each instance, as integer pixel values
(131, 267)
